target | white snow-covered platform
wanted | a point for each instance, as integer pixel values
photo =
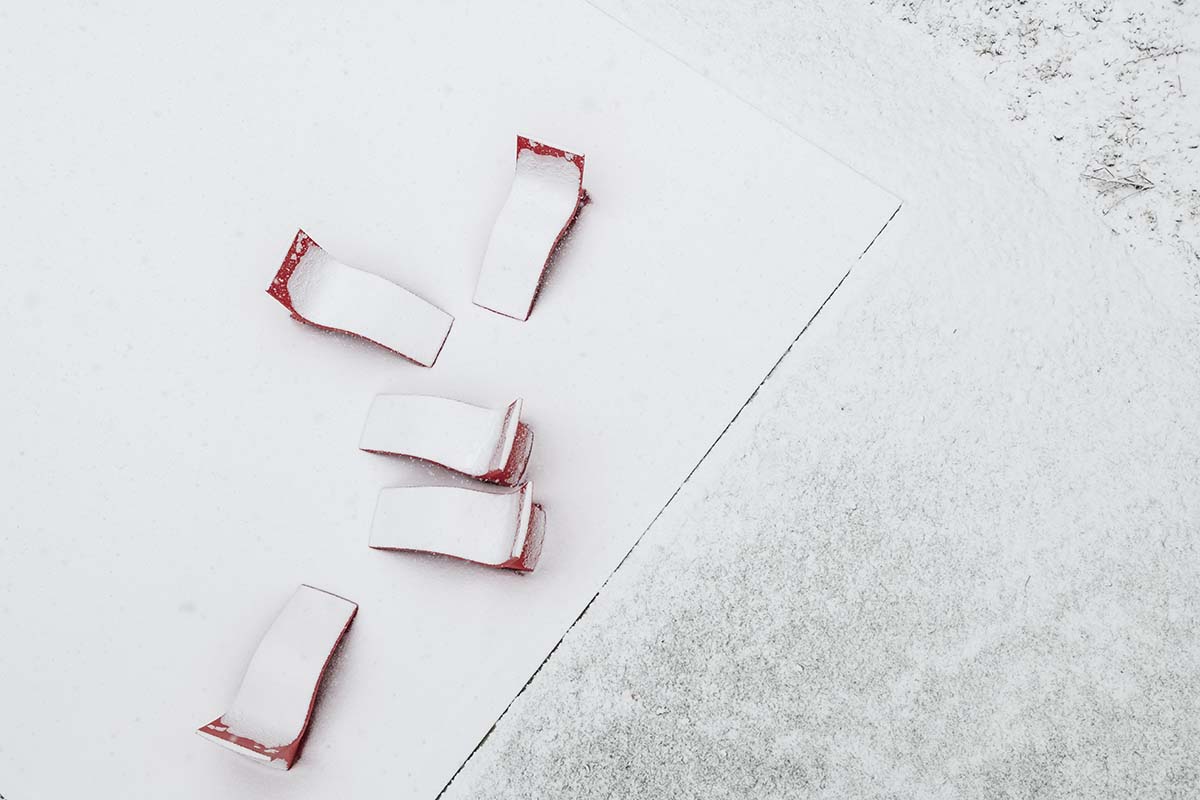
(179, 452)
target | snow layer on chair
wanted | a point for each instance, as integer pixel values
(484, 527)
(541, 204)
(326, 292)
(468, 439)
(272, 706)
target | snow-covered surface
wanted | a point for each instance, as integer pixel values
(951, 547)
(329, 293)
(485, 527)
(468, 439)
(272, 705)
(1111, 86)
(541, 203)
(180, 454)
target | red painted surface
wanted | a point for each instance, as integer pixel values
(532, 549)
(518, 459)
(538, 148)
(279, 286)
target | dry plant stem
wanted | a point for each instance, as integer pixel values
(1174, 51)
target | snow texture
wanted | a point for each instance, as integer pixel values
(1112, 85)
(541, 204)
(484, 527)
(328, 293)
(272, 704)
(475, 441)
(952, 547)
(208, 448)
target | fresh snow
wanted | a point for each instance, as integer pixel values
(474, 441)
(542, 201)
(209, 446)
(485, 527)
(331, 294)
(272, 704)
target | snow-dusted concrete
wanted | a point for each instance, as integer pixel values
(951, 547)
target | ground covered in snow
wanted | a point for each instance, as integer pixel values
(181, 455)
(951, 547)
(1113, 85)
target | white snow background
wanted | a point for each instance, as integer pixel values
(179, 455)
